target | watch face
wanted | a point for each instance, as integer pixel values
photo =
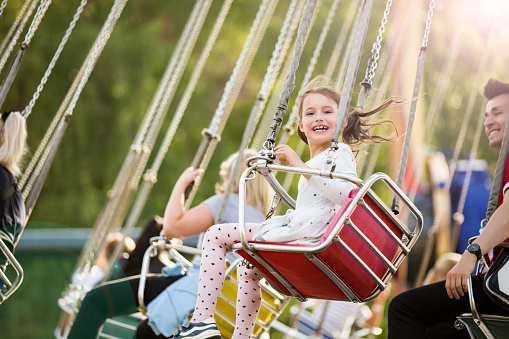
(473, 248)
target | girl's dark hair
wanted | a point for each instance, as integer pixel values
(358, 130)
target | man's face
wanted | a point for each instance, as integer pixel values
(495, 118)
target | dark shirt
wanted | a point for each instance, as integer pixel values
(12, 209)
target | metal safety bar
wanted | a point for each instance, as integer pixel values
(7, 288)
(157, 244)
(265, 167)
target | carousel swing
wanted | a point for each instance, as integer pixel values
(132, 168)
(11, 275)
(273, 302)
(364, 244)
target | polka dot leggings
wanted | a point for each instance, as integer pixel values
(217, 242)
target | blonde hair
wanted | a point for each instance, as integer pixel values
(258, 192)
(13, 136)
(358, 130)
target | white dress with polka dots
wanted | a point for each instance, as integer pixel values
(317, 202)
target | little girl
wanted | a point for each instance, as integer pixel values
(317, 201)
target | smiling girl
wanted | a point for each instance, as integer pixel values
(317, 201)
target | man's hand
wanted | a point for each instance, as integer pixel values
(456, 283)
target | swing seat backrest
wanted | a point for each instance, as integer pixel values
(348, 263)
(481, 326)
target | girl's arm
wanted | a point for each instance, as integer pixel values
(335, 190)
(495, 232)
(179, 223)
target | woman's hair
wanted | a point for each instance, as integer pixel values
(258, 192)
(358, 130)
(13, 136)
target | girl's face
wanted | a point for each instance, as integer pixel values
(318, 120)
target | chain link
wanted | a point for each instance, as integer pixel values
(37, 20)
(28, 109)
(372, 62)
(2, 6)
(428, 24)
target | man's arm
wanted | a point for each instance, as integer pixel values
(495, 232)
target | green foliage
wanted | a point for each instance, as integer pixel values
(113, 104)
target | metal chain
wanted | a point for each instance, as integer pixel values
(43, 7)
(2, 6)
(97, 49)
(234, 84)
(16, 35)
(150, 176)
(264, 125)
(293, 117)
(428, 24)
(184, 101)
(28, 109)
(9, 34)
(372, 62)
(254, 116)
(340, 41)
(280, 48)
(214, 126)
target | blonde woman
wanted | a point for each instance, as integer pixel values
(13, 137)
(118, 297)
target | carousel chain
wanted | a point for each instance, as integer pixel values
(268, 82)
(43, 7)
(372, 62)
(2, 6)
(96, 51)
(428, 24)
(9, 34)
(103, 39)
(172, 129)
(8, 49)
(284, 67)
(340, 41)
(232, 88)
(28, 109)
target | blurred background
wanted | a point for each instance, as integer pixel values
(467, 45)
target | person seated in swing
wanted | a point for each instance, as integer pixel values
(317, 201)
(413, 314)
(13, 146)
(119, 297)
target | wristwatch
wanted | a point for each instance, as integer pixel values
(475, 249)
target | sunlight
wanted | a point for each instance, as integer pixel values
(488, 10)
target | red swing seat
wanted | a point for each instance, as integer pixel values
(357, 256)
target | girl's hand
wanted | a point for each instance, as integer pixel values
(289, 156)
(456, 283)
(190, 175)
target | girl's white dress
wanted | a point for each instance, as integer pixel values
(317, 202)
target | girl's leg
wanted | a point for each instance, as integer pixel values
(248, 300)
(217, 242)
